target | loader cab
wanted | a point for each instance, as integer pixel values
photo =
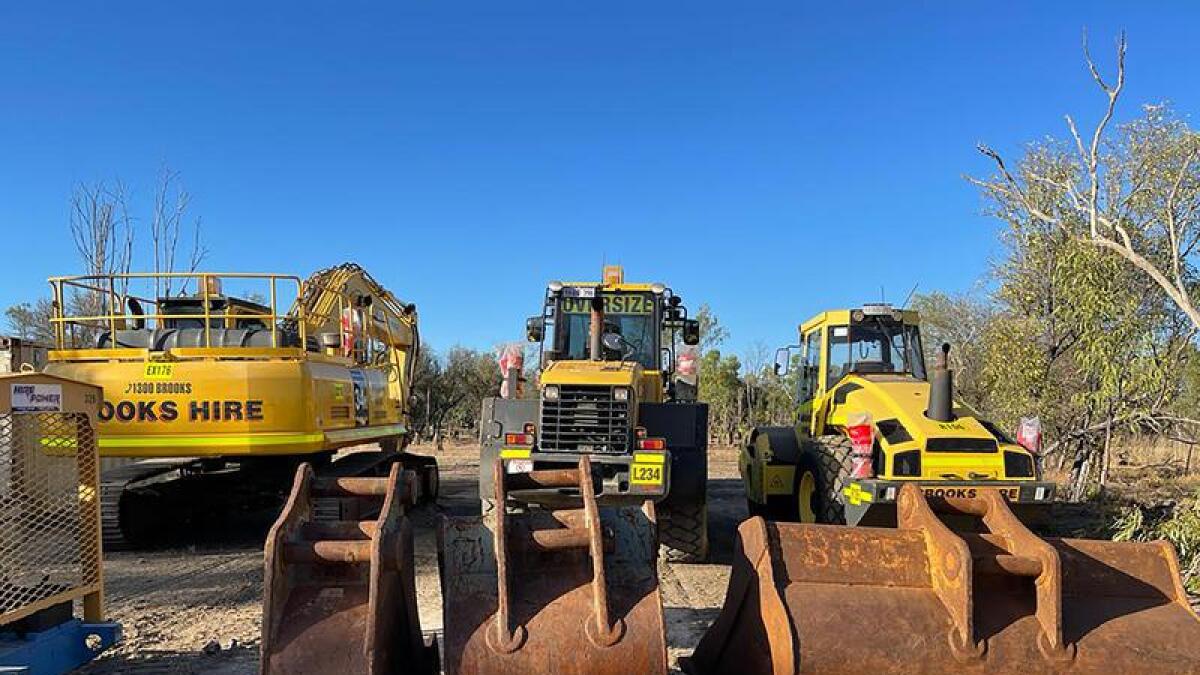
(630, 318)
(642, 323)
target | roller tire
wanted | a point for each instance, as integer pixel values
(683, 532)
(832, 455)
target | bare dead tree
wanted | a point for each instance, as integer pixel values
(102, 231)
(101, 227)
(171, 202)
(1145, 213)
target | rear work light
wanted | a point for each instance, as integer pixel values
(651, 444)
(518, 439)
(862, 441)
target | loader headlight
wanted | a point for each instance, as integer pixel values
(550, 393)
(657, 288)
(554, 286)
(620, 394)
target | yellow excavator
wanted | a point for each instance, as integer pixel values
(909, 555)
(223, 394)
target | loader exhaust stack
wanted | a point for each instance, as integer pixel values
(596, 329)
(571, 591)
(941, 388)
(340, 595)
(831, 599)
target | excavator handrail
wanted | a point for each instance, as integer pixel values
(113, 292)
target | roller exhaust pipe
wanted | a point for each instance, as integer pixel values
(941, 389)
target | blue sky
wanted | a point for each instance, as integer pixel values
(770, 159)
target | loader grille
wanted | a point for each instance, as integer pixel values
(585, 420)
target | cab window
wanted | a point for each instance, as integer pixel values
(812, 366)
(839, 355)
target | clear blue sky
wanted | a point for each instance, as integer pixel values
(767, 158)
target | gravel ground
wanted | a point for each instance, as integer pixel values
(197, 609)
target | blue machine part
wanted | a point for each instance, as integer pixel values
(57, 650)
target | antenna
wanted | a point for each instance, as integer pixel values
(882, 295)
(910, 295)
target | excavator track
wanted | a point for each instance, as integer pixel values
(115, 486)
(143, 504)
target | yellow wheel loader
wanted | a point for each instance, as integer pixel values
(224, 395)
(580, 485)
(909, 555)
(607, 392)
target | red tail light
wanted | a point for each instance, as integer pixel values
(862, 440)
(518, 439)
(1029, 434)
(651, 444)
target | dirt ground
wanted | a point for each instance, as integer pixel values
(197, 608)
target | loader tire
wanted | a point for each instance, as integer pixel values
(832, 455)
(683, 531)
(431, 483)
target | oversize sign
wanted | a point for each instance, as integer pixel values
(614, 303)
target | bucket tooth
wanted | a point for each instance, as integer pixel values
(340, 595)
(571, 591)
(923, 598)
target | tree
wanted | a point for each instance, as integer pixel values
(104, 234)
(1135, 195)
(171, 202)
(448, 392)
(470, 376)
(721, 388)
(102, 228)
(1096, 306)
(31, 321)
(712, 333)
(961, 321)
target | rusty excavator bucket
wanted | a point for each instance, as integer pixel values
(339, 592)
(922, 598)
(570, 592)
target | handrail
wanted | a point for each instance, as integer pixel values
(112, 315)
